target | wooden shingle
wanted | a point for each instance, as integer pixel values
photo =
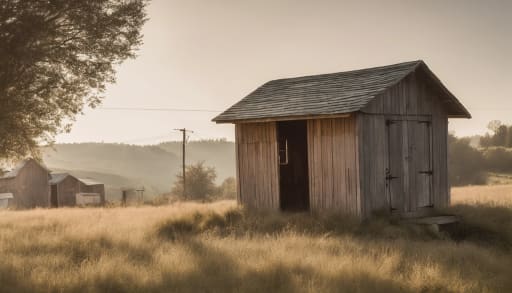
(329, 94)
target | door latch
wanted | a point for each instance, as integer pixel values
(429, 172)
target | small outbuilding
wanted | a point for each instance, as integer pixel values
(68, 190)
(91, 191)
(352, 142)
(28, 183)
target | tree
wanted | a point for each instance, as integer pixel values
(200, 182)
(466, 164)
(494, 125)
(500, 136)
(56, 57)
(228, 188)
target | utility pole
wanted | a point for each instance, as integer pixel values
(184, 132)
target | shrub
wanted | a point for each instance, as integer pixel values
(466, 164)
(200, 182)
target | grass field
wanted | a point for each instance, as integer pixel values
(217, 247)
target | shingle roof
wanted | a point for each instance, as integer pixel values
(325, 94)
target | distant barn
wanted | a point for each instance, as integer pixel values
(28, 184)
(89, 189)
(352, 142)
(68, 190)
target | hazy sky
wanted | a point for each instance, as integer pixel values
(209, 54)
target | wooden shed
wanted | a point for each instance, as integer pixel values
(68, 190)
(352, 142)
(28, 183)
(89, 188)
(63, 189)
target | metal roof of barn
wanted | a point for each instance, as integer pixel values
(89, 181)
(328, 94)
(58, 177)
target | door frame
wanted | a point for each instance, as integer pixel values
(284, 158)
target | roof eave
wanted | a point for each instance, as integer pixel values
(283, 118)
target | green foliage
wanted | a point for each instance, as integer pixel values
(56, 57)
(466, 164)
(200, 182)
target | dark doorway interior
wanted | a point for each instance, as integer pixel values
(293, 165)
(53, 196)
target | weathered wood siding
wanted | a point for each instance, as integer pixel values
(257, 165)
(96, 188)
(412, 98)
(333, 165)
(67, 190)
(30, 187)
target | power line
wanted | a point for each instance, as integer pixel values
(158, 109)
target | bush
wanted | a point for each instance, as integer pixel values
(498, 159)
(200, 182)
(466, 164)
(227, 190)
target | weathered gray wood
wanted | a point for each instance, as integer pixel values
(333, 170)
(348, 156)
(29, 185)
(411, 101)
(330, 94)
(256, 145)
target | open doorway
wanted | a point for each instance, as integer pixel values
(293, 165)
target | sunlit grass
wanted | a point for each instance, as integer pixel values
(217, 247)
(498, 195)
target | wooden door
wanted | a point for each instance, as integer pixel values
(395, 179)
(421, 165)
(409, 172)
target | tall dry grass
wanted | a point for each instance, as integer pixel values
(494, 195)
(217, 247)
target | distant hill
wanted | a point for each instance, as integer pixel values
(128, 166)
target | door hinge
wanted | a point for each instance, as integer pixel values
(389, 122)
(430, 172)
